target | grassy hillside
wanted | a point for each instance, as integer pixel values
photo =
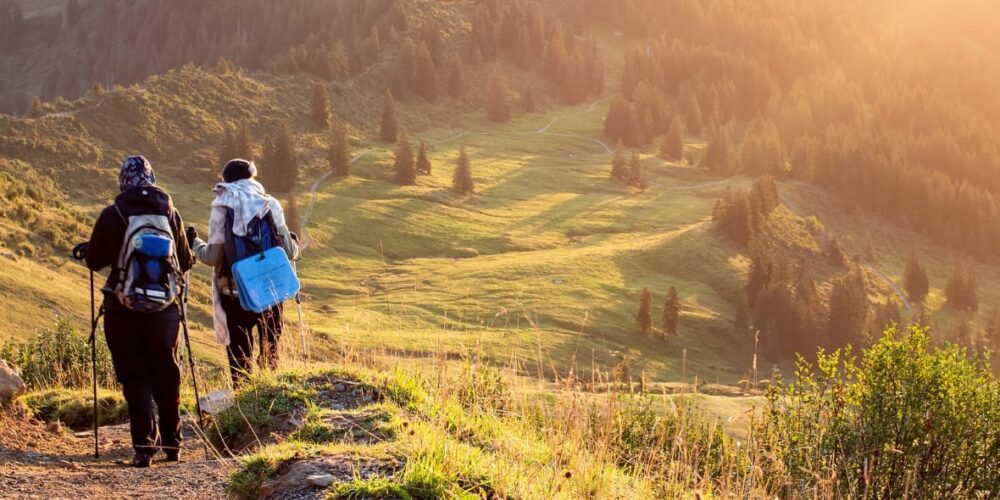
(541, 268)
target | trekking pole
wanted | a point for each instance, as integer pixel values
(187, 342)
(93, 362)
(302, 322)
(80, 253)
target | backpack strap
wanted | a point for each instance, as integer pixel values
(120, 214)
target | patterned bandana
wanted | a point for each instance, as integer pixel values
(136, 172)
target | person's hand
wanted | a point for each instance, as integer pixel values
(192, 235)
(80, 251)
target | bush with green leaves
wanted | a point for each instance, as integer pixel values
(59, 356)
(906, 419)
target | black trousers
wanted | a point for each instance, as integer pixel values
(241, 325)
(144, 352)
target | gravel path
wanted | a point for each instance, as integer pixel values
(47, 462)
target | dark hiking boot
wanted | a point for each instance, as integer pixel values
(171, 456)
(141, 461)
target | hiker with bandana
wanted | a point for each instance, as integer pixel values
(241, 204)
(142, 315)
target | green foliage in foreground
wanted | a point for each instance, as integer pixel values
(59, 356)
(907, 419)
(75, 408)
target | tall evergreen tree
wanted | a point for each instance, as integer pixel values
(528, 100)
(455, 81)
(672, 148)
(619, 166)
(671, 314)
(692, 115)
(243, 144)
(406, 172)
(961, 289)
(339, 153)
(644, 318)
(227, 150)
(426, 74)
(423, 162)
(497, 108)
(389, 131)
(915, 279)
(462, 181)
(321, 114)
(636, 177)
(720, 154)
(281, 171)
(36, 107)
(849, 308)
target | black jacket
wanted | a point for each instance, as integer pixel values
(109, 233)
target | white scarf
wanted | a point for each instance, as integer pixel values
(247, 199)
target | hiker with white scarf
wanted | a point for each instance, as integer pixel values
(239, 200)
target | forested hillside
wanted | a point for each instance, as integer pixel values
(888, 103)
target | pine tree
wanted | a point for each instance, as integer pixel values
(497, 108)
(389, 131)
(720, 154)
(243, 144)
(406, 172)
(961, 289)
(36, 107)
(849, 309)
(282, 168)
(227, 151)
(992, 331)
(671, 314)
(423, 162)
(619, 166)
(321, 115)
(915, 279)
(636, 177)
(693, 116)
(528, 100)
(455, 81)
(462, 181)
(644, 318)
(672, 148)
(426, 74)
(339, 154)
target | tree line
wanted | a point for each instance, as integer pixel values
(913, 139)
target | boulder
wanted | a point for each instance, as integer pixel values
(321, 480)
(10, 382)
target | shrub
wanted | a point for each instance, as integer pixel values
(907, 419)
(59, 356)
(75, 408)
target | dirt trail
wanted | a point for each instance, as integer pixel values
(40, 462)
